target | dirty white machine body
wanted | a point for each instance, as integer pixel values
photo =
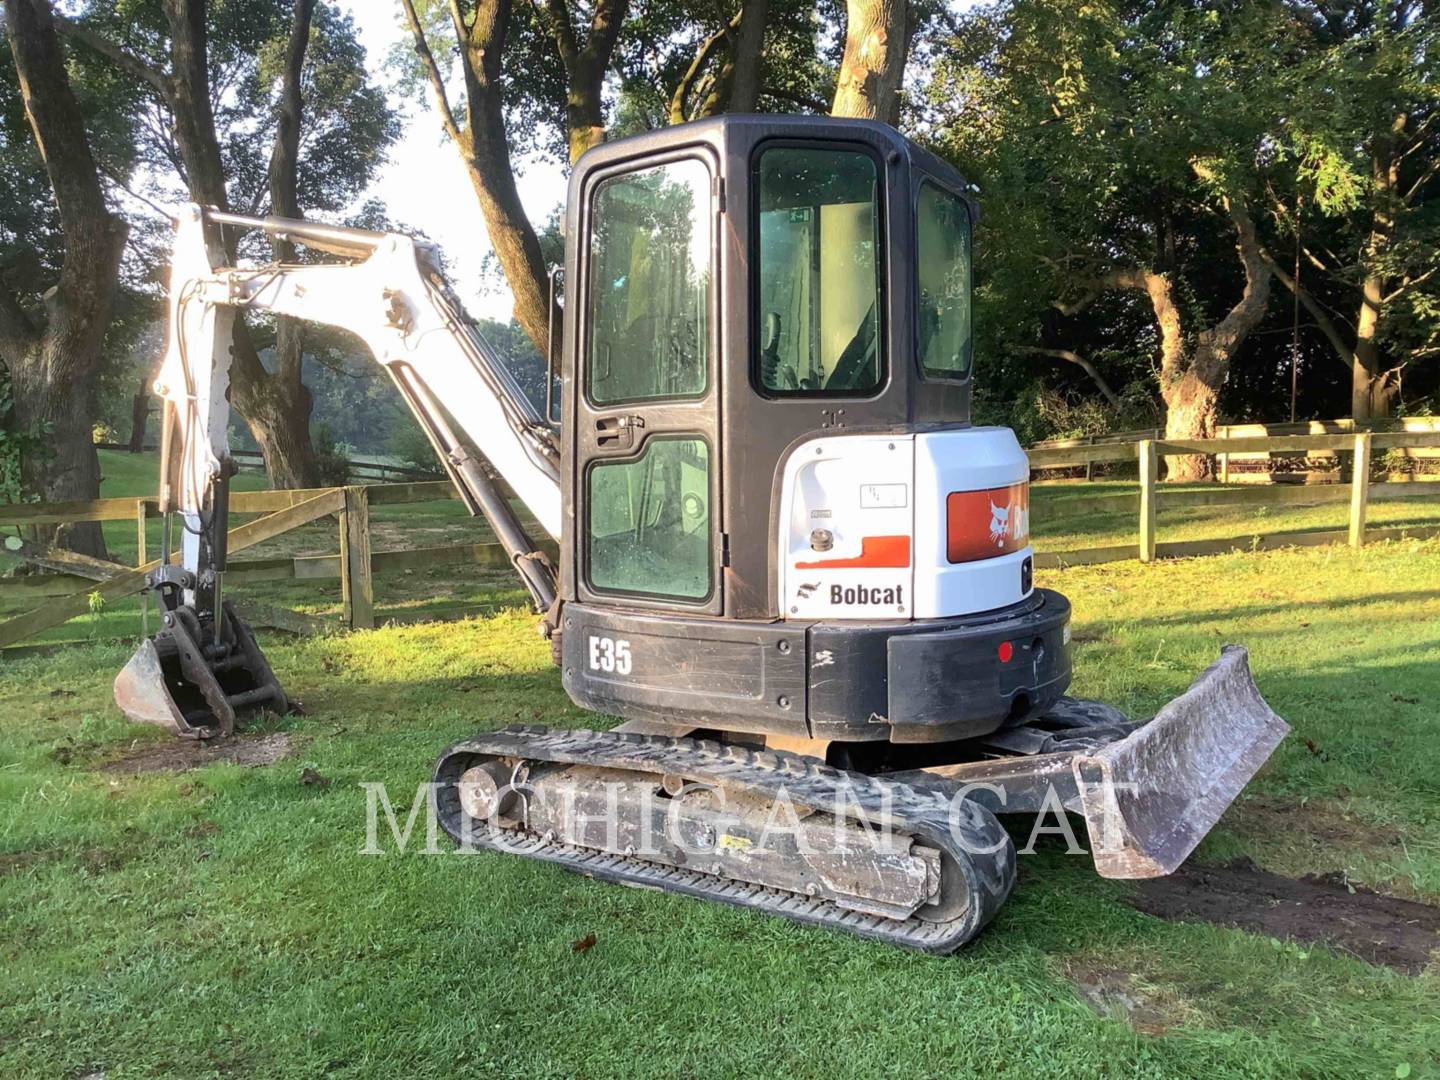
(788, 561)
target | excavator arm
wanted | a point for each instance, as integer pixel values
(204, 666)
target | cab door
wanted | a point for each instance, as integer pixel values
(647, 425)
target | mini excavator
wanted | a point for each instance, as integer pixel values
(789, 564)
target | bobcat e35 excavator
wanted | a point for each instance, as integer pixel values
(787, 560)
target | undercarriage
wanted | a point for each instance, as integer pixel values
(914, 856)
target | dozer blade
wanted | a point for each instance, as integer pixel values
(1149, 799)
(196, 692)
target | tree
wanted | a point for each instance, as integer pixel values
(54, 350)
(482, 34)
(531, 75)
(877, 41)
(1120, 146)
(534, 82)
(1363, 146)
(722, 72)
(586, 63)
(292, 76)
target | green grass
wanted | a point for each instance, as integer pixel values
(222, 921)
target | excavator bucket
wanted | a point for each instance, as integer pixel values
(196, 692)
(1150, 798)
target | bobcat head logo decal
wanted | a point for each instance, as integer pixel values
(999, 524)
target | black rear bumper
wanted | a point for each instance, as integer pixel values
(904, 682)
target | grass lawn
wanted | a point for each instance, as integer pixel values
(223, 921)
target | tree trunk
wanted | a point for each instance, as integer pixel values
(513, 237)
(280, 421)
(1190, 385)
(1370, 396)
(695, 74)
(280, 417)
(66, 467)
(585, 65)
(584, 108)
(139, 415)
(873, 69)
(745, 78)
(269, 405)
(1366, 384)
(486, 151)
(54, 367)
(1190, 413)
(191, 113)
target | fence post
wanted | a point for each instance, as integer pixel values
(1149, 476)
(1359, 489)
(357, 587)
(141, 558)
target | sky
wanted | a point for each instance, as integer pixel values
(425, 186)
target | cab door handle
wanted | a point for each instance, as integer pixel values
(617, 432)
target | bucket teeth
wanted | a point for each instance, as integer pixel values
(193, 691)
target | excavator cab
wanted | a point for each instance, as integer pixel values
(789, 562)
(778, 515)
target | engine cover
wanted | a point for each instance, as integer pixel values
(914, 526)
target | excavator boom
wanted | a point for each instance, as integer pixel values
(386, 289)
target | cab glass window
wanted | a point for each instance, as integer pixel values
(649, 522)
(650, 255)
(943, 250)
(818, 272)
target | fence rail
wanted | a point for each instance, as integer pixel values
(67, 593)
(1147, 453)
(1344, 426)
(1063, 457)
(356, 468)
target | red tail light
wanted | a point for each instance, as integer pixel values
(984, 524)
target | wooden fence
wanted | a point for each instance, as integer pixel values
(68, 592)
(372, 471)
(1146, 453)
(1347, 426)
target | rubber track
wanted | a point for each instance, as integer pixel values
(927, 816)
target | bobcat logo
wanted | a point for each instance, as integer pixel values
(999, 524)
(807, 590)
(1008, 522)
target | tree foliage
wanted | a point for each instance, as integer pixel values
(1110, 138)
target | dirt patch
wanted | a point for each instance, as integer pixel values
(179, 755)
(1400, 934)
(1119, 995)
(1322, 822)
(16, 862)
(93, 860)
